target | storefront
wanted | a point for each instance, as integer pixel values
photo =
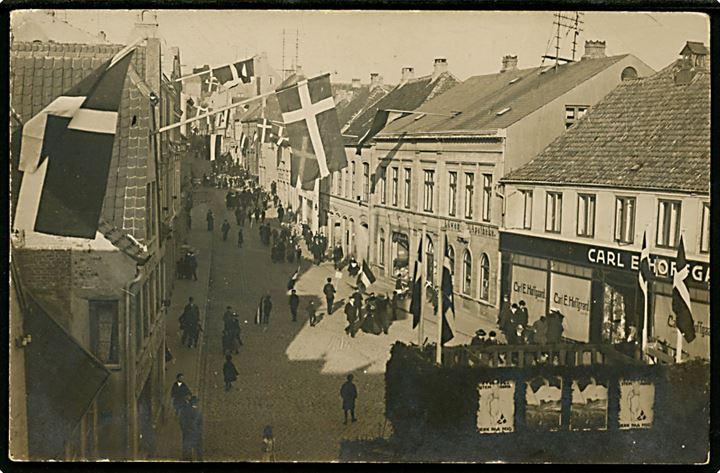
(596, 289)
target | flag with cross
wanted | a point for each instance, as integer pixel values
(313, 130)
(264, 126)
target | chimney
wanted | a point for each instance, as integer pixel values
(356, 83)
(375, 80)
(696, 54)
(145, 27)
(509, 63)
(439, 66)
(406, 74)
(299, 71)
(594, 49)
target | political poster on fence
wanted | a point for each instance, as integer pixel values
(589, 404)
(496, 407)
(637, 399)
(543, 399)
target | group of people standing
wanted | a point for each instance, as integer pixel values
(317, 243)
(513, 323)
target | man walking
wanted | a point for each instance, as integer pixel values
(189, 321)
(294, 304)
(240, 238)
(179, 393)
(329, 291)
(192, 264)
(280, 213)
(225, 229)
(266, 308)
(230, 373)
(210, 220)
(348, 392)
(311, 313)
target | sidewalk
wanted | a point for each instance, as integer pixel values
(186, 360)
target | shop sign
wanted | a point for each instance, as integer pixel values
(637, 398)
(529, 285)
(472, 228)
(665, 327)
(571, 296)
(496, 407)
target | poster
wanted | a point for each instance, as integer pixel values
(571, 296)
(543, 397)
(529, 285)
(496, 407)
(637, 398)
(589, 404)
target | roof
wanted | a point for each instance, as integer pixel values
(354, 101)
(40, 72)
(496, 101)
(405, 96)
(62, 378)
(695, 47)
(647, 133)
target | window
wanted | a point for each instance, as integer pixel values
(408, 186)
(586, 215)
(452, 194)
(469, 194)
(352, 182)
(625, 219)
(429, 188)
(527, 197)
(484, 277)
(381, 248)
(104, 331)
(366, 182)
(395, 173)
(705, 231)
(383, 184)
(429, 261)
(553, 212)
(668, 229)
(487, 195)
(451, 258)
(573, 113)
(467, 273)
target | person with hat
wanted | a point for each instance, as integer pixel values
(522, 314)
(479, 339)
(179, 393)
(348, 392)
(492, 338)
(294, 304)
(329, 291)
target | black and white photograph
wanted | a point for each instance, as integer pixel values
(284, 235)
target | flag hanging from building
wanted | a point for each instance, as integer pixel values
(366, 277)
(265, 128)
(293, 279)
(65, 154)
(232, 74)
(279, 135)
(382, 119)
(215, 146)
(313, 130)
(681, 296)
(416, 296)
(211, 84)
(221, 119)
(448, 302)
(645, 273)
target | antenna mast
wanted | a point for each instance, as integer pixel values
(297, 47)
(283, 56)
(566, 22)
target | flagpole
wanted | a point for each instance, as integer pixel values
(421, 324)
(678, 345)
(208, 71)
(645, 322)
(438, 291)
(214, 112)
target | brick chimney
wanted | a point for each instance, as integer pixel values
(406, 74)
(375, 80)
(594, 49)
(509, 63)
(146, 26)
(440, 65)
(356, 83)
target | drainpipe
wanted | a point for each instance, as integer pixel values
(131, 421)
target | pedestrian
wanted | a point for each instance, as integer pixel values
(268, 445)
(351, 315)
(348, 392)
(479, 339)
(311, 313)
(240, 238)
(225, 229)
(196, 431)
(522, 314)
(230, 373)
(210, 220)
(329, 291)
(280, 213)
(238, 215)
(179, 393)
(298, 253)
(294, 304)
(266, 309)
(554, 328)
(188, 320)
(192, 265)
(169, 358)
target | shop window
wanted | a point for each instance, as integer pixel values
(429, 190)
(452, 193)
(586, 215)
(668, 229)
(573, 113)
(553, 212)
(429, 261)
(382, 184)
(487, 196)
(467, 273)
(527, 196)
(104, 331)
(484, 277)
(395, 172)
(469, 194)
(366, 182)
(705, 231)
(381, 248)
(625, 219)
(408, 187)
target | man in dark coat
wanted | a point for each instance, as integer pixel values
(280, 213)
(239, 217)
(311, 313)
(230, 373)
(192, 265)
(240, 238)
(521, 316)
(210, 220)
(225, 229)
(189, 320)
(191, 424)
(554, 326)
(294, 304)
(351, 315)
(329, 291)
(266, 308)
(348, 392)
(179, 393)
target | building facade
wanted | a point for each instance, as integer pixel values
(637, 168)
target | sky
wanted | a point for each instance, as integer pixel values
(352, 44)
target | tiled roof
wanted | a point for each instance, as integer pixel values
(519, 92)
(407, 96)
(647, 133)
(362, 99)
(696, 47)
(40, 72)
